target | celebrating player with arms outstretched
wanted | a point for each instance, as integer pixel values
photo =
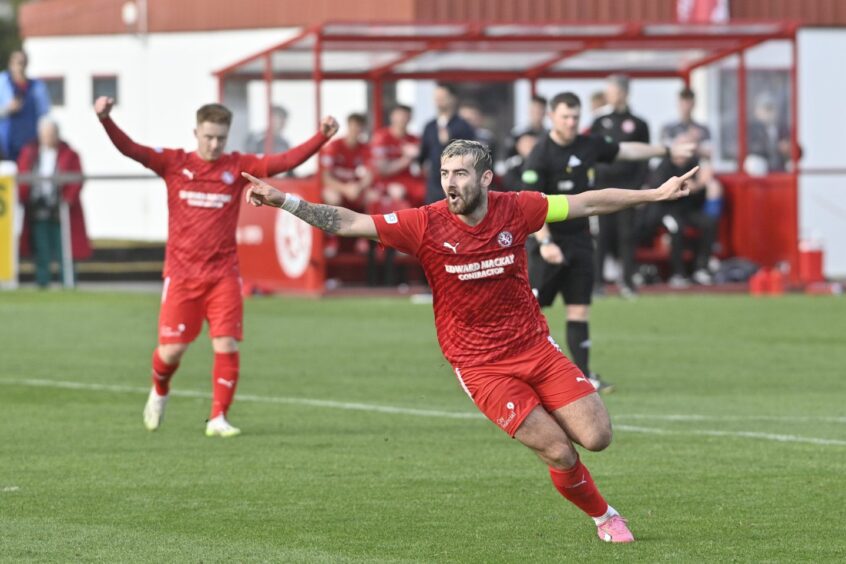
(489, 324)
(201, 279)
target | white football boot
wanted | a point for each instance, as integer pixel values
(154, 410)
(220, 427)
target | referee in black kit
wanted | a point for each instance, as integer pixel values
(561, 257)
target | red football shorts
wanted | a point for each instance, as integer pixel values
(186, 303)
(506, 391)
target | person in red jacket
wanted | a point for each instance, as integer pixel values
(42, 233)
(201, 275)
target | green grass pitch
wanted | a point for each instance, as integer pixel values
(730, 438)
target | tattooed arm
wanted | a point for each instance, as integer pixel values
(332, 219)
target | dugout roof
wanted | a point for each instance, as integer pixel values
(491, 52)
(501, 52)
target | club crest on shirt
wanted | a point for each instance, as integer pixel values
(628, 126)
(504, 239)
(227, 177)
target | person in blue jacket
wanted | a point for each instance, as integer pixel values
(23, 101)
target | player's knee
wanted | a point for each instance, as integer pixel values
(599, 439)
(224, 345)
(560, 455)
(578, 312)
(172, 353)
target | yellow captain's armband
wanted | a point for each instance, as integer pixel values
(558, 208)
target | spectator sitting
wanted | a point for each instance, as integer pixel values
(42, 232)
(437, 134)
(394, 151)
(686, 125)
(257, 142)
(23, 101)
(700, 210)
(768, 138)
(512, 180)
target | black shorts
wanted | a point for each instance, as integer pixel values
(573, 279)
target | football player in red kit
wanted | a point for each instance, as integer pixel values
(201, 279)
(490, 327)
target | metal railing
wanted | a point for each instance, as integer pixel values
(62, 179)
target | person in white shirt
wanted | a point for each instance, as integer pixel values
(42, 199)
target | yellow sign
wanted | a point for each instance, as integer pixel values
(8, 240)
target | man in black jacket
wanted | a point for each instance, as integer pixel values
(617, 231)
(437, 134)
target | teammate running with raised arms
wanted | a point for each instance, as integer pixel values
(201, 277)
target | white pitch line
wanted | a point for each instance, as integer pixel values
(741, 434)
(10, 489)
(374, 408)
(690, 417)
(770, 437)
(62, 384)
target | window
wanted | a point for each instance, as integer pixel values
(764, 88)
(56, 89)
(104, 86)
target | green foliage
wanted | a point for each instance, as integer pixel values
(10, 39)
(730, 439)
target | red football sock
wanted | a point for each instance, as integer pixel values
(224, 382)
(162, 373)
(576, 484)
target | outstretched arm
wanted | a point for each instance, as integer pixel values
(636, 151)
(144, 155)
(610, 200)
(282, 162)
(332, 219)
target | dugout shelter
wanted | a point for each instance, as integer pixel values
(761, 218)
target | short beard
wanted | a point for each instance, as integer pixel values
(468, 207)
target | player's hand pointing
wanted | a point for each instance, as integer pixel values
(103, 106)
(261, 193)
(329, 126)
(677, 186)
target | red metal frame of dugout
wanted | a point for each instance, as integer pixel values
(564, 41)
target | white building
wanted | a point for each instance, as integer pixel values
(163, 75)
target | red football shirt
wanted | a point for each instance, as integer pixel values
(343, 161)
(385, 146)
(203, 200)
(484, 307)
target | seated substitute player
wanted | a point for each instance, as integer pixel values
(201, 279)
(489, 324)
(346, 177)
(561, 255)
(393, 152)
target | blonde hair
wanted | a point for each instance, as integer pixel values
(214, 113)
(479, 153)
